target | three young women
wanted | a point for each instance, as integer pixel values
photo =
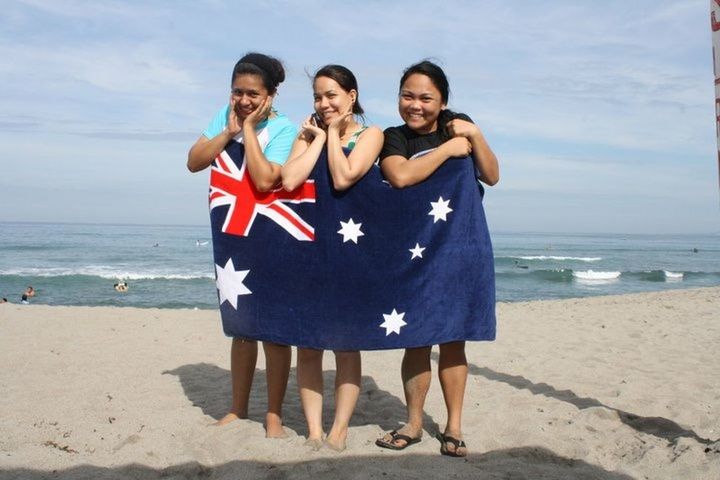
(409, 154)
(254, 83)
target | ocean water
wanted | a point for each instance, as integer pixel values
(172, 266)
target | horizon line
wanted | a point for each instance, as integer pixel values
(500, 232)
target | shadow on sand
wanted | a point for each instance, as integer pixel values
(214, 401)
(658, 426)
(516, 464)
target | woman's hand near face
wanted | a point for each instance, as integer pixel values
(341, 123)
(310, 130)
(204, 151)
(259, 114)
(234, 126)
(264, 173)
(303, 156)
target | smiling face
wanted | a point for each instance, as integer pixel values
(248, 92)
(331, 100)
(420, 103)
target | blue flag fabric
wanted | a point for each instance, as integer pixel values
(369, 268)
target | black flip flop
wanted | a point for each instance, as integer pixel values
(445, 439)
(394, 435)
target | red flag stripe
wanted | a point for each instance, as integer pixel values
(308, 233)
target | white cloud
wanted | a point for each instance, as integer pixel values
(630, 83)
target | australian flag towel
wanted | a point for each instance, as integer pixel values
(369, 268)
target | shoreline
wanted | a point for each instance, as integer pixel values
(616, 386)
(215, 308)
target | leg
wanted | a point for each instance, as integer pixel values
(277, 362)
(243, 357)
(416, 378)
(310, 382)
(348, 371)
(453, 372)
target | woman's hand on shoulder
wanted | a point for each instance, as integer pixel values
(484, 158)
(462, 128)
(457, 147)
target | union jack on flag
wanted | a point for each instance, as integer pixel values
(231, 186)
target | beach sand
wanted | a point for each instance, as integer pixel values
(597, 388)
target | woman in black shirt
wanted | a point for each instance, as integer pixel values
(431, 136)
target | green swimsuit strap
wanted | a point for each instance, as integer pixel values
(355, 136)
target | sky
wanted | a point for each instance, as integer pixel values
(601, 113)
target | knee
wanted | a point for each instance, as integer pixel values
(306, 355)
(276, 348)
(417, 354)
(453, 353)
(347, 356)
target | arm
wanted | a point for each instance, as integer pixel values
(347, 170)
(205, 149)
(305, 152)
(402, 172)
(264, 173)
(484, 158)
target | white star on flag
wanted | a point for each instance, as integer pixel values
(350, 231)
(393, 322)
(230, 283)
(440, 209)
(416, 252)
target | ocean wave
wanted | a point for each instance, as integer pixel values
(559, 258)
(590, 275)
(559, 275)
(673, 276)
(106, 272)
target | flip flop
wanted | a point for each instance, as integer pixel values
(445, 439)
(395, 436)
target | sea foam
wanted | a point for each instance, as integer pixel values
(105, 272)
(673, 276)
(596, 276)
(554, 257)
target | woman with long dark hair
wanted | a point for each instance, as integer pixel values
(333, 132)
(412, 152)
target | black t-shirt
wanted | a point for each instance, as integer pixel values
(406, 143)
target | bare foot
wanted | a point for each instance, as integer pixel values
(315, 444)
(337, 446)
(274, 427)
(229, 418)
(336, 440)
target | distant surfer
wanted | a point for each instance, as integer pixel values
(156, 245)
(121, 286)
(200, 244)
(695, 250)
